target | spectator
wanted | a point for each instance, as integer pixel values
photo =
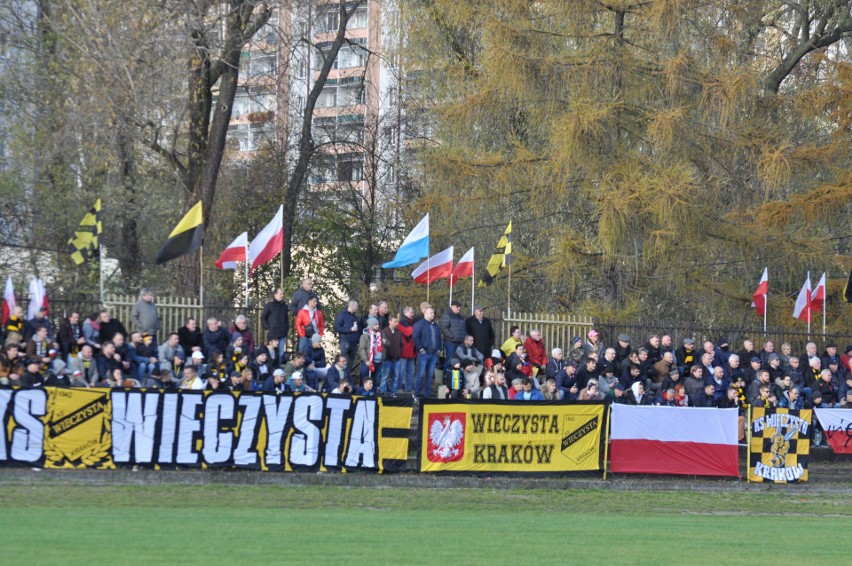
(371, 351)
(707, 363)
(302, 295)
(479, 326)
(567, 381)
(71, 337)
(87, 366)
(747, 352)
(190, 338)
(196, 360)
(171, 355)
(348, 328)
(92, 329)
(145, 355)
(241, 327)
(768, 350)
(828, 388)
(634, 375)
(536, 352)
(296, 384)
(753, 392)
(497, 389)
(14, 327)
(618, 397)
(591, 392)
(260, 368)
(556, 364)
(77, 379)
(144, 317)
(367, 388)
(653, 347)
(40, 319)
(671, 379)
(274, 383)
(453, 331)
(519, 358)
(58, 375)
(706, 397)
(191, 380)
(9, 358)
(785, 353)
(576, 354)
(316, 365)
(637, 396)
(276, 322)
(719, 382)
(391, 382)
(592, 345)
(272, 351)
(694, 382)
(427, 343)
(685, 356)
(109, 327)
(344, 387)
(309, 321)
(782, 386)
(122, 348)
(733, 371)
(812, 374)
(551, 392)
(587, 372)
(723, 352)
(214, 337)
(662, 369)
(108, 360)
(666, 344)
(337, 374)
(511, 344)
(622, 350)
(681, 398)
(39, 345)
(235, 350)
(32, 377)
(753, 369)
(405, 365)
(383, 314)
(467, 352)
(666, 398)
(528, 392)
(765, 398)
(296, 363)
(810, 352)
(372, 312)
(791, 399)
(233, 383)
(216, 365)
(774, 367)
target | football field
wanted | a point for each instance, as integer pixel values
(220, 524)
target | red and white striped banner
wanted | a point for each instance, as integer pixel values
(672, 440)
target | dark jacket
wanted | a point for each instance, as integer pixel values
(68, 336)
(32, 379)
(453, 327)
(110, 329)
(483, 334)
(248, 338)
(704, 400)
(631, 399)
(343, 326)
(394, 344)
(554, 367)
(427, 337)
(215, 340)
(333, 377)
(33, 323)
(300, 299)
(275, 319)
(315, 356)
(269, 386)
(189, 339)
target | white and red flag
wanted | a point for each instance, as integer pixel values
(802, 310)
(672, 440)
(8, 301)
(818, 296)
(236, 251)
(837, 425)
(439, 266)
(759, 297)
(269, 242)
(464, 268)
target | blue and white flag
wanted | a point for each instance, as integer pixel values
(414, 248)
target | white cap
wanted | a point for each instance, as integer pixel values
(196, 355)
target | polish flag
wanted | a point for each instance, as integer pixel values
(836, 423)
(439, 266)
(672, 440)
(818, 296)
(759, 296)
(38, 298)
(802, 310)
(464, 268)
(269, 242)
(236, 251)
(8, 301)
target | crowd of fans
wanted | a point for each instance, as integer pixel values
(383, 353)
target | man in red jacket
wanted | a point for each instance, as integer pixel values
(309, 321)
(404, 366)
(536, 352)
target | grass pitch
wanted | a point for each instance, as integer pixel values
(215, 524)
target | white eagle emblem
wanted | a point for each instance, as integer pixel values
(446, 438)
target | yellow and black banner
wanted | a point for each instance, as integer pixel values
(86, 241)
(459, 435)
(780, 445)
(500, 259)
(107, 428)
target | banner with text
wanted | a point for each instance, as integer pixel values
(780, 445)
(510, 436)
(837, 426)
(106, 428)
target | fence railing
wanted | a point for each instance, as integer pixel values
(556, 329)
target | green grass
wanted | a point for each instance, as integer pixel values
(67, 524)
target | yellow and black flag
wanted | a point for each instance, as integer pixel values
(847, 290)
(87, 239)
(499, 260)
(187, 236)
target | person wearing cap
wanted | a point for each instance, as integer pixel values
(427, 343)
(576, 353)
(197, 360)
(830, 356)
(566, 380)
(38, 346)
(453, 331)
(774, 367)
(479, 326)
(371, 350)
(275, 383)
(296, 384)
(234, 382)
(309, 321)
(57, 375)
(685, 356)
(316, 364)
(753, 369)
(723, 351)
(622, 350)
(77, 380)
(593, 344)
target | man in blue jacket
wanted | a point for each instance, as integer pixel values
(529, 393)
(348, 327)
(427, 343)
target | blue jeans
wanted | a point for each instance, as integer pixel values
(403, 371)
(349, 349)
(425, 373)
(304, 345)
(377, 372)
(449, 351)
(281, 349)
(388, 377)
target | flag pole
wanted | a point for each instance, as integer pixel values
(824, 299)
(509, 292)
(473, 283)
(451, 288)
(247, 275)
(101, 270)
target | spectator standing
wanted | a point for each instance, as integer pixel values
(371, 350)
(427, 343)
(347, 325)
(302, 295)
(309, 321)
(71, 337)
(479, 326)
(275, 321)
(391, 382)
(453, 331)
(144, 317)
(405, 364)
